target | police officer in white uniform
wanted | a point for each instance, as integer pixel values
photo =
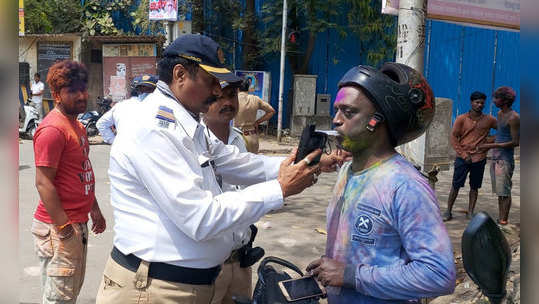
(141, 87)
(235, 278)
(172, 223)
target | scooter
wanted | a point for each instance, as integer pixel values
(90, 118)
(28, 119)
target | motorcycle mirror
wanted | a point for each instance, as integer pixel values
(486, 256)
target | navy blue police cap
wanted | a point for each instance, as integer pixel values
(147, 80)
(204, 51)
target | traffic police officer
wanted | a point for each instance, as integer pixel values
(173, 225)
(141, 86)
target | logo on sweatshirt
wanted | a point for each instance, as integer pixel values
(364, 224)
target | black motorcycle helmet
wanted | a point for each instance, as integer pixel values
(400, 94)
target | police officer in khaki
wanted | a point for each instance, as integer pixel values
(246, 119)
(173, 225)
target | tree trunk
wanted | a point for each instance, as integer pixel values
(249, 47)
(198, 16)
(304, 69)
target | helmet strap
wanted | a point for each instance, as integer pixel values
(376, 118)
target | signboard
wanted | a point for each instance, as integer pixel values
(498, 13)
(260, 83)
(163, 10)
(122, 62)
(48, 53)
(21, 17)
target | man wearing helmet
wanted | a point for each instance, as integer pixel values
(386, 240)
(140, 88)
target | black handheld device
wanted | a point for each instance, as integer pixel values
(300, 289)
(310, 140)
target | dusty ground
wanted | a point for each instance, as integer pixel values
(296, 232)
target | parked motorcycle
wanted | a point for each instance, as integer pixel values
(28, 119)
(90, 118)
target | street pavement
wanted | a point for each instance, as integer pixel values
(296, 232)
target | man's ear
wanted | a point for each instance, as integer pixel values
(55, 96)
(179, 73)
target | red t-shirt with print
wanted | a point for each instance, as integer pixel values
(61, 143)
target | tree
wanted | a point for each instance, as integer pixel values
(308, 18)
(52, 16)
(197, 13)
(97, 16)
(250, 49)
(141, 20)
(377, 32)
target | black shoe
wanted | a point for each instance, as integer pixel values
(447, 216)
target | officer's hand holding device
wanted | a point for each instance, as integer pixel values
(294, 178)
(310, 140)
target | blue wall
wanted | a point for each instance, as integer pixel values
(458, 61)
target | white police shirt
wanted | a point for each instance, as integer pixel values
(112, 118)
(242, 236)
(167, 204)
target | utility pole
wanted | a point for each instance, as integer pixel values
(410, 51)
(411, 33)
(281, 76)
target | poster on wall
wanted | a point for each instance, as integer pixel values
(259, 83)
(48, 53)
(504, 14)
(164, 10)
(21, 17)
(118, 88)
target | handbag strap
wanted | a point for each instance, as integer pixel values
(276, 260)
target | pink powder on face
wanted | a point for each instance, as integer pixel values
(340, 95)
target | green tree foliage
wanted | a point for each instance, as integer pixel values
(377, 32)
(92, 19)
(52, 16)
(97, 19)
(222, 22)
(141, 20)
(308, 18)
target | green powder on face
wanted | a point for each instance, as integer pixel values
(351, 145)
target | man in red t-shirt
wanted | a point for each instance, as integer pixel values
(469, 132)
(66, 185)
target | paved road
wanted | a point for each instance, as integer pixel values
(290, 233)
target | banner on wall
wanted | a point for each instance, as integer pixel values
(163, 10)
(260, 83)
(504, 14)
(21, 17)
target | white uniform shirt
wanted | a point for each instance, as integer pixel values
(242, 236)
(37, 87)
(167, 204)
(112, 118)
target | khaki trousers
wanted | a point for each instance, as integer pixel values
(251, 142)
(232, 281)
(62, 260)
(122, 286)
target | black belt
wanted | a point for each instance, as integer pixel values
(168, 272)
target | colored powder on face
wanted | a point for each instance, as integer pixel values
(340, 96)
(352, 145)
